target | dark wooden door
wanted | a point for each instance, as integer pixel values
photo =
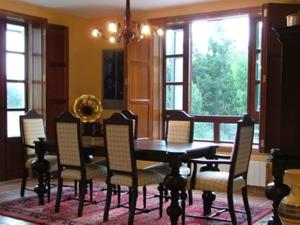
(12, 98)
(274, 15)
(56, 75)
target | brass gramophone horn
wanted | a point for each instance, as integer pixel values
(88, 108)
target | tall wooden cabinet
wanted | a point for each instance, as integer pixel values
(288, 154)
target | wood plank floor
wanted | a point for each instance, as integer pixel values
(10, 190)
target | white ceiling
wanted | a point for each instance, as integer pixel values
(97, 8)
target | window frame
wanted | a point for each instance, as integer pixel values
(254, 18)
(25, 81)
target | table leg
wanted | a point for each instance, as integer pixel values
(175, 183)
(41, 167)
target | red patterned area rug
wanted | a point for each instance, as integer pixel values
(27, 209)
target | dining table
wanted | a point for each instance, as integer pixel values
(145, 149)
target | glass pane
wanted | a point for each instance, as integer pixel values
(258, 67)
(174, 97)
(258, 35)
(204, 131)
(227, 131)
(14, 72)
(256, 134)
(13, 124)
(174, 70)
(257, 97)
(219, 67)
(15, 38)
(15, 95)
(174, 42)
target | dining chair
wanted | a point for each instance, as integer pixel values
(229, 182)
(130, 115)
(121, 164)
(179, 128)
(32, 128)
(71, 159)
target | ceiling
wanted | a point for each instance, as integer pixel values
(97, 8)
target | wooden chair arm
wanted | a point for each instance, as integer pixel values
(209, 161)
(221, 156)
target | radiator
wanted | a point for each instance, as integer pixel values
(257, 173)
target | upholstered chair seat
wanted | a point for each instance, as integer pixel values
(92, 171)
(145, 177)
(216, 181)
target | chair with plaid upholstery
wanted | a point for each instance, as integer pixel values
(121, 164)
(235, 179)
(32, 128)
(71, 159)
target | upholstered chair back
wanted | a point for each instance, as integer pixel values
(119, 143)
(179, 127)
(32, 128)
(68, 136)
(243, 146)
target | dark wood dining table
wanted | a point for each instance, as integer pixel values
(145, 149)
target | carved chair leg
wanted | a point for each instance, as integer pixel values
(161, 196)
(231, 206)
(58, 195)
(144, 197)
(133, 197)
(246, 204)
(183, 196)
(82, 184)
(91, 190)
(24, 181)
(190, 194)
(107, 202)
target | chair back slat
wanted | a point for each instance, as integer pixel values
(68, 136)
(243, 146)
(179, 127)
(119, 143)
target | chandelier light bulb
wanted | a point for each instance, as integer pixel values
(113, 27)
(112, 39)
(146, 30)
(96, 33)
(160, 32)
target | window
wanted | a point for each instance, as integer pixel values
(15, 76)
(208, 73)
(23, 69)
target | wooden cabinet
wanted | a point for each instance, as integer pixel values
(288, 153)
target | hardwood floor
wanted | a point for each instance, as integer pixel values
(10, 190)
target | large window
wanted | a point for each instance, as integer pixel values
(23, 70)
(15, 76)
(208, 73)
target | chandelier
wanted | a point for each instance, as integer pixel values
(116, 32)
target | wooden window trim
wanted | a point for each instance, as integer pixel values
(173, 20)
(183, 22)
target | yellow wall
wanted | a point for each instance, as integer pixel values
(85, 53)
